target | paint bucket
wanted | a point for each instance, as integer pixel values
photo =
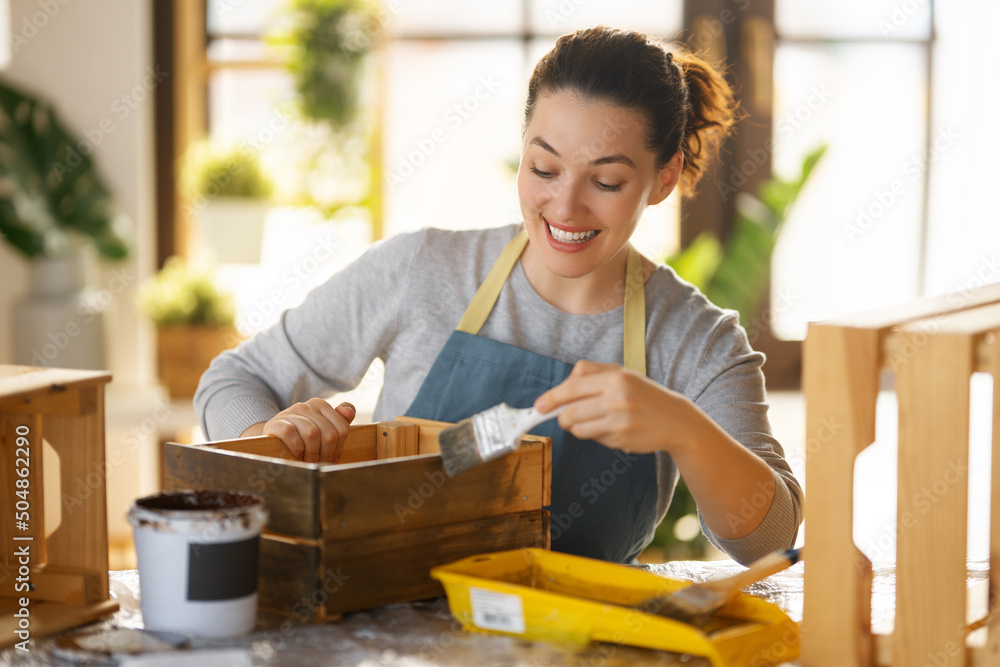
(197, 553)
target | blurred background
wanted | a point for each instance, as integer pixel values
(216, 159)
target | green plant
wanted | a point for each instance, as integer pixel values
(210, 171)
(325, 47)
(51, 196)
(181, 294)
(734, 275)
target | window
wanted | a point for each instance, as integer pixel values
(446, 106)
(453, 79)
(899, 207)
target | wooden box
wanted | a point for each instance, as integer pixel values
(365, 532)
(933, 348)
(54, 526)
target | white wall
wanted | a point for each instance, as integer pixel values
(91, 59)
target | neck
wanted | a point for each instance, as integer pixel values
(597, 292)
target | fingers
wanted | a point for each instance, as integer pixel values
(343, 415)
(585, 367)
(588, 419)
(588, 378)
(313, 431)
(285, 426)
(610, 404)
(348, 411)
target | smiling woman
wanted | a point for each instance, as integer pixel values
(558, 311)
(602, 142)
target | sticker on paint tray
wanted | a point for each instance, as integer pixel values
(497, 611)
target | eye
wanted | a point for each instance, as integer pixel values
(608, 188)
(541, 174)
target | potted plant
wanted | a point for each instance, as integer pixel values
(325, 44)
(53, 206)
(327, 48)
(228, 194)
(194, 323)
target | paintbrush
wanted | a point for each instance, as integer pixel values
(696, 603)
(487, 435)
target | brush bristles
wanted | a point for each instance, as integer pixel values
(459, 449)
(694, 604)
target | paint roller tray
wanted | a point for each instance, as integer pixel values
(542, 595)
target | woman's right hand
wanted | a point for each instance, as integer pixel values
(312, 431)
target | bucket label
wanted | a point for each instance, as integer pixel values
(222, 571)
(496, 611)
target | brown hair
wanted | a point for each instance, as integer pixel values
(688, 104)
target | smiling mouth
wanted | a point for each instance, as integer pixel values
(570, 237)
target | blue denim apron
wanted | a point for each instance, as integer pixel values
(603, 500)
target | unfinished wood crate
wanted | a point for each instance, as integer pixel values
(365, 532)
(65, 530)
(933, 347)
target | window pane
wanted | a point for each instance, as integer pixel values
(308, 162)
(242, 101)
(245, 17)
(452, 130)
(883, 19)
(656, 17)
(452, 17)
(245, 50)
(964, 236)
(851, 241)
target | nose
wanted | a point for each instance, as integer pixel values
(567, 204)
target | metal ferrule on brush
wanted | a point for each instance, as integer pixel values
(491, 427)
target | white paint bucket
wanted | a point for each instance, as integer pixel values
(197, 553)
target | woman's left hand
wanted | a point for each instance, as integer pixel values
(619, 408)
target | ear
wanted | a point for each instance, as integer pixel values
(666, 179)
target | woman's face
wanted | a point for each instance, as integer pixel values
(585, 178)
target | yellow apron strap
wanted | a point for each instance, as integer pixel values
(635, 300)
(635, 314)
(488, 293)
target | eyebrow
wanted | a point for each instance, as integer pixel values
(607, 159)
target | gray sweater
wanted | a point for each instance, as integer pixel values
(402, 299)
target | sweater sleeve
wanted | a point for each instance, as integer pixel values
(323, 346)
(732, 394)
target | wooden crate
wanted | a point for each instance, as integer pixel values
(933, 347)
(366, 531)
(67, 561)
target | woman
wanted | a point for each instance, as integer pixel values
(657, 380)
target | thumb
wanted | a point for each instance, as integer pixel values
(347, 411)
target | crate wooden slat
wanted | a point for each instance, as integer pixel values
(381, 569)
(374, 498)
(290, 487)
(366, 531)
(68, 567)
(933, 347)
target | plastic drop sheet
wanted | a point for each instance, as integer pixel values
(422, 634)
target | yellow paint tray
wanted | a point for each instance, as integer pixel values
(542, 595)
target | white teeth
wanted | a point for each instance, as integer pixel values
(570, 237)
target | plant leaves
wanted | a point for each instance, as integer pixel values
(699, 261)
(50, 189)
(734, 275)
